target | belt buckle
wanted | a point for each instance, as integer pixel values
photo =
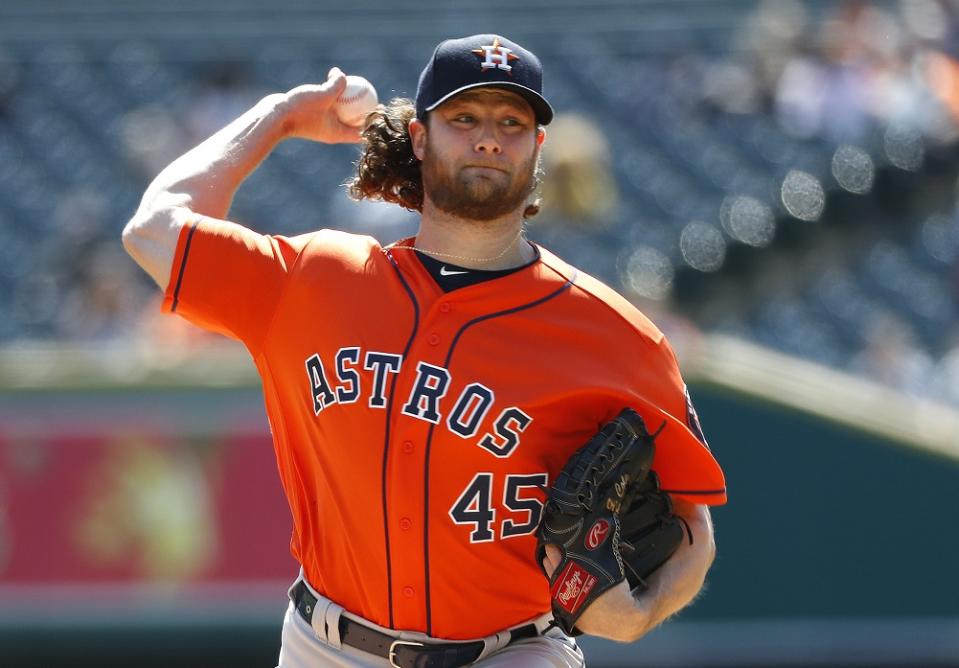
(392, 655)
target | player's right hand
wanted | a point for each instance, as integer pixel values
(309, 112)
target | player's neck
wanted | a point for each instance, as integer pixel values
(467, 243)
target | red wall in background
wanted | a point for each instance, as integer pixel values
(144, 488)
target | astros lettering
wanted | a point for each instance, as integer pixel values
(469, 410)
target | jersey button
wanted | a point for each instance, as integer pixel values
(407, 447)
(433, 340)
(406, 523)
(408, 592)
(445, 307)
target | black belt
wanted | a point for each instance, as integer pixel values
(401, 653)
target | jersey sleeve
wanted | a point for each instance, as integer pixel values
(229, 279)
(684, 462)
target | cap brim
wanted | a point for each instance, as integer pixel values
(542, 108)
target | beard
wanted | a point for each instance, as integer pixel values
(475, 195)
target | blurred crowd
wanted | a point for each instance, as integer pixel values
(810, 99)
(855, 69)
(883, 77)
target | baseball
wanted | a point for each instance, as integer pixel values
(356, 101)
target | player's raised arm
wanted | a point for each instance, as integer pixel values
(204, 180)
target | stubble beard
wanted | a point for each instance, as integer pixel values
(472, 196)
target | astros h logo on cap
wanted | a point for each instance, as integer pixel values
(495, 55)
(481, 61)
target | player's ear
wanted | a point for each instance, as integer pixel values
(540, 135)
(418, 138)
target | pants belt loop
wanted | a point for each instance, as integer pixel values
(325, 617)
(492, 643)
(543, 623)
(331, 615)
(318, 620)
(498, 641)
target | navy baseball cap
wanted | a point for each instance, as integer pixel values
(481, 61)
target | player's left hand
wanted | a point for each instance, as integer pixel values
(606, 525)
(614, 607)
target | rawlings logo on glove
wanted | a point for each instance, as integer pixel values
(608, 477)
(572, 587)
(597, 534)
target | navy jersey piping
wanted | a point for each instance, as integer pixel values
(429, 436)
(386, 439)
(179, 278)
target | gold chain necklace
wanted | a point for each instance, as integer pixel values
(464, 257)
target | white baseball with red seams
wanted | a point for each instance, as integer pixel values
(356, 101)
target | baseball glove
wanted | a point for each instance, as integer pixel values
(609, 518)
(651, 533)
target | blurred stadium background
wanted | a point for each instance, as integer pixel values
(774, 183)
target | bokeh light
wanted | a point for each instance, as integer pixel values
(940, 238)
(803, 195)
(702, 246)
(748, 220)
(903, 146)
(649, 273)
(853, 169)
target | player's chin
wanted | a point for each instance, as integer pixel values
(486, 183)
(482, 182)
(480, 196)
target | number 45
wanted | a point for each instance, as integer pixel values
(474, 506)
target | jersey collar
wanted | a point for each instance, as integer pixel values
(536, 280)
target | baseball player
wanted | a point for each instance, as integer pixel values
(423, 396)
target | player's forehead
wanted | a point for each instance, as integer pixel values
(490, 97)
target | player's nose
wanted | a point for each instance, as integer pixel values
(487, 142)
(488, 145)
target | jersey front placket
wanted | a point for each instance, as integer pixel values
(422, 384)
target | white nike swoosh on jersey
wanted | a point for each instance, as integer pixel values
(446, 272)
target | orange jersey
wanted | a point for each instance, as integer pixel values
(415, 429)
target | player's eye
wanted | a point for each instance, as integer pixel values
(463, 118)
